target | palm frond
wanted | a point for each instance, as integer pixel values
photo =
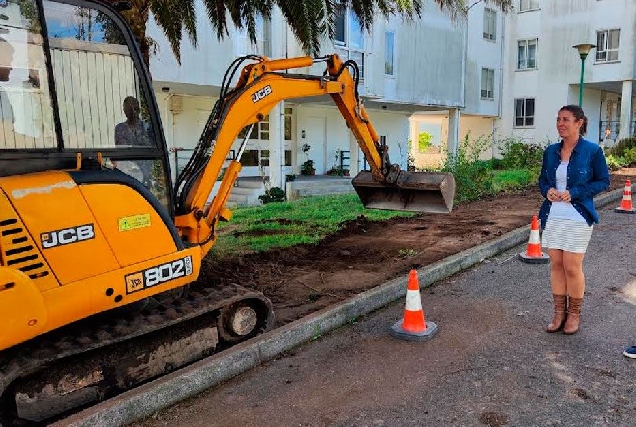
(307, 19)
(173, 16)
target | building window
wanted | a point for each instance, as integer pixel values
(389, 53)
(349, 39)
(487, 83)
(607, 45)
(527, 54)
(249, 158)
(264, 158)
(525, 5)
(288, 123)
(490, 24)
(288, 158)
(259, 131)
(524, 112)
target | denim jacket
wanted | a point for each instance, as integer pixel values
(588, 175)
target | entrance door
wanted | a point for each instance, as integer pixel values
(316, 137)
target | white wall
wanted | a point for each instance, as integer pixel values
(429, 60)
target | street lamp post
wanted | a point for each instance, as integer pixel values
(584, 50)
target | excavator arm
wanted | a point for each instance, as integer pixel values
(260, 87)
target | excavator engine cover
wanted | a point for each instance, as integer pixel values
(429, 192)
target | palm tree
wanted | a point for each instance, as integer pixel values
(310, 20)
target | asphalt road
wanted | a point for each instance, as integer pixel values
(490, 362)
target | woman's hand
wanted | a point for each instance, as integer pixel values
(565, 196)
(554, 195)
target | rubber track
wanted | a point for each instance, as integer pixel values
(32, 356)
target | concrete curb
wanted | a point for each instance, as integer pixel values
(168, 390)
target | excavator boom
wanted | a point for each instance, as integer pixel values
(260, 87)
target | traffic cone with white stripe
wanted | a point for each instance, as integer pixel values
(626, 203)
(414, 326)
(533, 254)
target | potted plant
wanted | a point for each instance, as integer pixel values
(338, 170)
(307, 168)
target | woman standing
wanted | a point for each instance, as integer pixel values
(574, 170)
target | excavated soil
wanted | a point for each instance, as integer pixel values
(365, 254)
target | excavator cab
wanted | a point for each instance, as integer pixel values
(74, 95)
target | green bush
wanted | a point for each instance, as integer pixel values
(511, 180)
(497, 163)
(425, 141)
(473, 177)
(630, 156)
(519, 155)
(624, 149)
(274, 194)
(614, 162)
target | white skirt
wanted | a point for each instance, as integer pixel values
(567, 235)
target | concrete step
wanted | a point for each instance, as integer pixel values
(295, 192)
(244, 200)
(321, 183)
(246, 191)
(249, 183)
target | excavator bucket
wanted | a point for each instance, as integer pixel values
(430, 192)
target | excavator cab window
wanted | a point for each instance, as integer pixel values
(70, 82)
(25, 102)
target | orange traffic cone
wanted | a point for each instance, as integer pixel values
(533, 254)
(414, 326)
(626, 203)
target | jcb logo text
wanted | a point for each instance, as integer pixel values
(66, 236)
(262, 93)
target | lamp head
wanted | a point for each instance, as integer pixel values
(584, 49)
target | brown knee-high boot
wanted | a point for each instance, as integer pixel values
(574, 316)
(559, 313)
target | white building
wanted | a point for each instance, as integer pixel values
(430, 75)
(543, 70)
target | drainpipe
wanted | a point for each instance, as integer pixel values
(464, 60)
(501, 80)
(501, 67)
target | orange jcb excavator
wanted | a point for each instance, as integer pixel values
(96, 248)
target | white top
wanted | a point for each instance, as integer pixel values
(564, 209)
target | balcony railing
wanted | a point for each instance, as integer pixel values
(610, 129)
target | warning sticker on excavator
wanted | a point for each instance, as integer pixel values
(133, 222)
